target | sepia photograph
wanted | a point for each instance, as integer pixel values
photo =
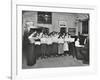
(55, 39)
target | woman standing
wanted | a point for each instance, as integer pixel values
(66, 47)
(37, 47)
(31, 56)
(46, 43)
(43, 45)
(60, 45)
(55, 44)
(50, 45)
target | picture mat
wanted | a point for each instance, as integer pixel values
(48, 72)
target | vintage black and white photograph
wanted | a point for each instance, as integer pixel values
(55, 39)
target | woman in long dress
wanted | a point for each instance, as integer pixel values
(55, 44)
(43, 46)
(31, 56)
(46, 42)
(37, 47)
(78, 49)
(49, 46)
(60, 46)
(66, 47)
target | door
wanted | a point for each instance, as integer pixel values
(85, 27)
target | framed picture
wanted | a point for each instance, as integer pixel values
(44, 17)
(48, 60)
(62, 23)
(72, 31)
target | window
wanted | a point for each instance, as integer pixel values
(45, 17)
(72, 31)
(85, 27)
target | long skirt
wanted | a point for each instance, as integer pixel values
(55, 48)
(78, 54)
(66, 47)
(31, 57)
(52, 50)
(38, 51)
(49, 50)
(60, 48)
(70, 48)
(74, 50)
(43, 49)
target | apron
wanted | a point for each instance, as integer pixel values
(66, 46)
(60, 46)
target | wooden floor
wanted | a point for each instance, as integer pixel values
(51, 62)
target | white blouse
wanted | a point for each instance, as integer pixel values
(49, 41)
(37, 43)
(32, 40)
(43, 41)
(71, 39)
(77, 44)
(60, 40)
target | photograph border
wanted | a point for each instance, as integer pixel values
(14, 71)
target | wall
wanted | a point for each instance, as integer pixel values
(29, 16)
(70, 18)
(32, 16)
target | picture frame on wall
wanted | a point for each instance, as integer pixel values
(44, 17)
(17, 71)
(72, 31)
(62, 23)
